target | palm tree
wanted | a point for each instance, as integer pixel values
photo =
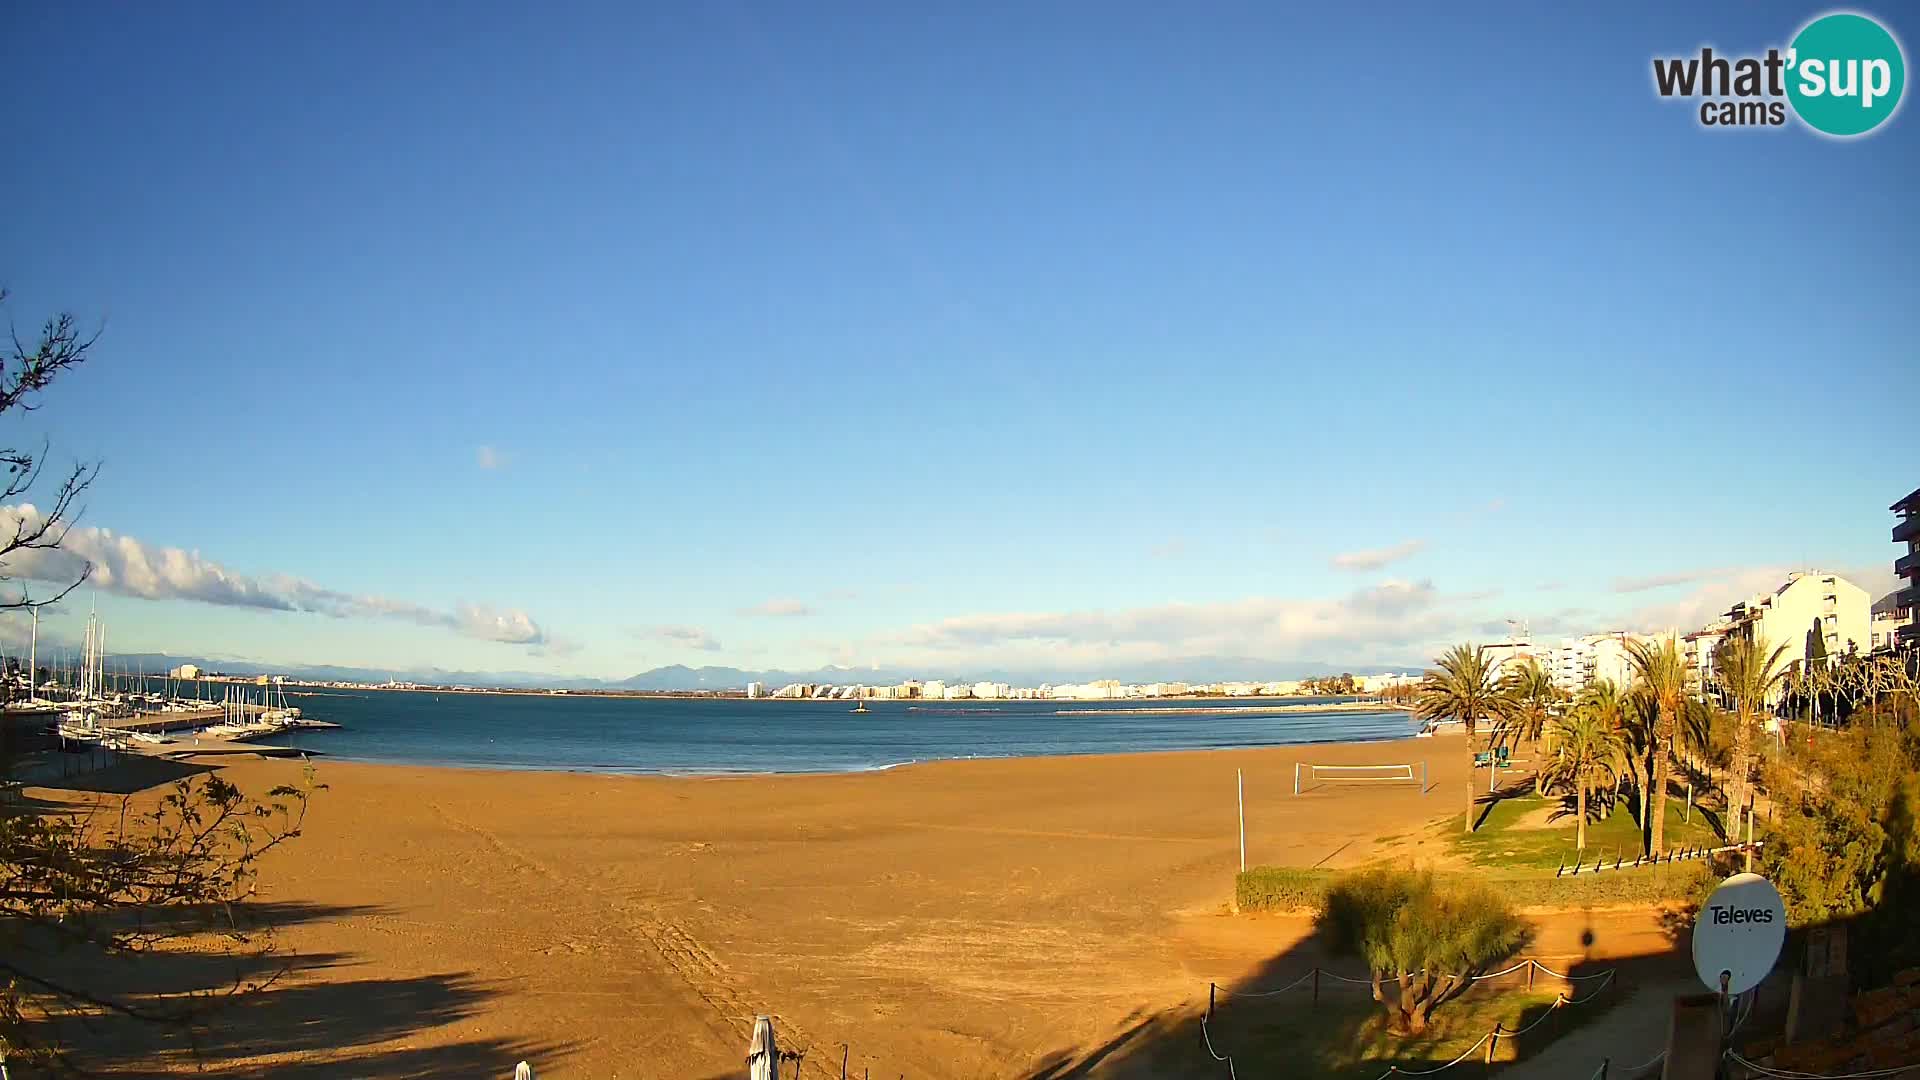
(1750, 674)
(1460, 688)
(1603, 699)
(1528, 697)
(1662, 670)
(1587, 748)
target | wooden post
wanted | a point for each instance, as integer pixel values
(1210, 988)
(1240, 782)
(1689, 814)
(1493, 1042)
(845, 1053)
(1316, 987)
(1749, 839)
(1530, 967)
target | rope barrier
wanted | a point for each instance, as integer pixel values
(1499, 1032)
(1336, 976)
(1217, 1055)
(1395, 1070)
(1589, 997)
(1790, 1075)
(1638, 1069)
(1272, 993)
(1571, 978)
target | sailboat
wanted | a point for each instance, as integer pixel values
(861, 707)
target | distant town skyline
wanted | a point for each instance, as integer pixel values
(590, 343)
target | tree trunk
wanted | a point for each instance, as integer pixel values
(1470, 782)
(1657, 832)
(1580, 805)
(1742, 770)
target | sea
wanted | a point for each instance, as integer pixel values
(722, 736)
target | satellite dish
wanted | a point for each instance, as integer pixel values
(1738, 935)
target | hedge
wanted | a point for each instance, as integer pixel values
(1286, 888)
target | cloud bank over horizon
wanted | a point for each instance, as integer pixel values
(130, 567)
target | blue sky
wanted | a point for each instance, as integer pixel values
(943, 336)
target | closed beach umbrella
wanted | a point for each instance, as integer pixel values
(763, 1057)
(523, 1071)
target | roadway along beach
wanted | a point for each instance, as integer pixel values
(954, 919)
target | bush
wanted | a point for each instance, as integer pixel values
(1283, 888)
(1424, 935)
(1280, 888)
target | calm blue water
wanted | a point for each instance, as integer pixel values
(657, 735)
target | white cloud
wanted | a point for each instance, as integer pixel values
(1664, 581)
(1392, 620)
(489, 458)
(130, 567)
(690, 637)
(1717, 590)
(1171, 549)
(1376, 558)
(780, 608)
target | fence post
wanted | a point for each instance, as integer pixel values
(1530, 966)
(844, 1055)
(1493, 1042)
(1210, 987)
(1316, 987)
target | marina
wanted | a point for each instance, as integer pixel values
(97, 712)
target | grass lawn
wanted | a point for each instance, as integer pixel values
(1504, 840)
(1345, 1038)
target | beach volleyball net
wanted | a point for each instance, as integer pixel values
(1308, 777)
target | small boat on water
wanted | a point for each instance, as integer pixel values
(860, 708)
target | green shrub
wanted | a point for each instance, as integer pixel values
(1280, 888)
(1402, 922)
(1285, 888)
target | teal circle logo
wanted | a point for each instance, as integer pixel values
(1845, 74)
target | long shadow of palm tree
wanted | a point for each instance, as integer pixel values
(251, 1014)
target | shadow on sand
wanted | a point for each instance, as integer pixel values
(234, 1015)
(1289, 1033)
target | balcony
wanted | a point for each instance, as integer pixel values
(1907, 530)
(1907, 565)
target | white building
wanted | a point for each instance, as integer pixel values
(1374, 684)
(1887, 619)
(184, 671)
(1807, 604)
(1510, 654)
(1885, 630)
(1811, 606)
(933, 689)
(755, 689)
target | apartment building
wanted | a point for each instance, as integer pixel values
(1907, 568)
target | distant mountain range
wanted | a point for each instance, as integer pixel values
(680, 677)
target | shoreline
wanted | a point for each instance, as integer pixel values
(731, 694)
(864, 770)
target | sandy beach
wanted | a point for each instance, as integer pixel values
(962, 919)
